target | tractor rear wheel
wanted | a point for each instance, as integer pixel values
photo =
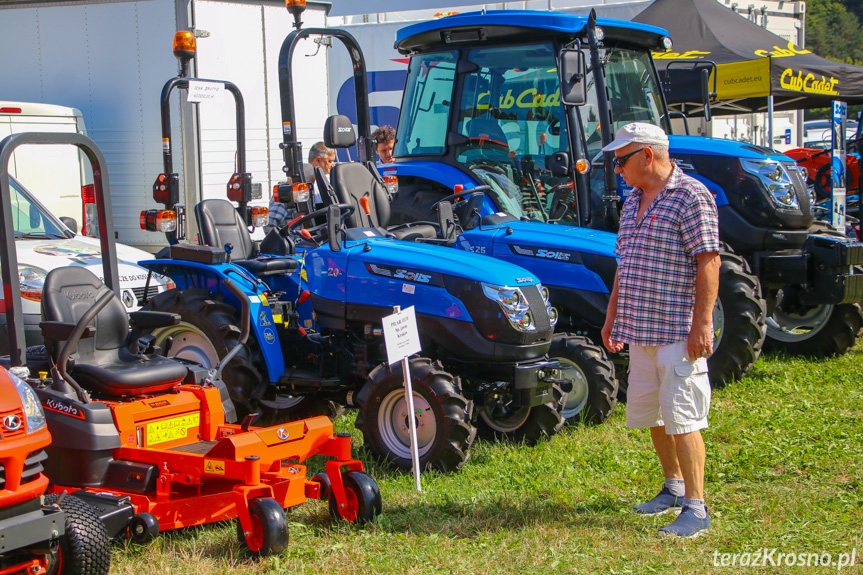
(85, 548)
(739, 322)
(208, 330)
(523, 424)
(442, 416)
(594, 387)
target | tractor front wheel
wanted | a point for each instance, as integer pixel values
(815, 331)
(523, 424)
(441, 413)
(269, 534)
(594, 388)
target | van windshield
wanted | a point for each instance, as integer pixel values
(30, 219)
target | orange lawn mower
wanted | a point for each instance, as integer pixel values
(817, 162)
(144, 440)
(39, 535)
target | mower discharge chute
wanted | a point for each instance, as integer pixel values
(142, 439)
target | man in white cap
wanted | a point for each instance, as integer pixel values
(661, 305)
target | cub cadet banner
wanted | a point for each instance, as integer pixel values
(751, 63)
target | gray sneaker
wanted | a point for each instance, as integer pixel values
(665, 502)
(687, 525)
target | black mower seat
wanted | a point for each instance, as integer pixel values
(103, 362)
(220, 225)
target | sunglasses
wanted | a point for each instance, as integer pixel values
(619, 161)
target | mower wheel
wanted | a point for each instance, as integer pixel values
(594, 387)
(206, 333)
(824, 182)
(143, 528)
(363, 499)
(85, 549)
(442, 415)
(269, 528)
(326, 486)
(523, 424)
(739, 322)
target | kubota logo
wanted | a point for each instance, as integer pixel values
(282, 433)
(12, 422)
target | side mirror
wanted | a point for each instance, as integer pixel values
(705, 92)
(558, 163)
(70, 223)
(572, 68)
(560, 200)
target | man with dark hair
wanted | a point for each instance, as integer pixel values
(662, 306)
(385, 140)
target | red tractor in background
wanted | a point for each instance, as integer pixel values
(817, 163)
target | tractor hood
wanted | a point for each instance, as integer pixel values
(559, 238)
(700, 145)
(430, 259)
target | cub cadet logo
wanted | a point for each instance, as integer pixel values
(778, 52)
(12, 422)
(808, 84)
(60, 407)
(79, 295)
(688, 55)
(530, 98)
(412, 276)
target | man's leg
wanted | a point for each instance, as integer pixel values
(665, 447)
(691, 457)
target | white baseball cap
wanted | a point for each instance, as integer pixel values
(638, 133)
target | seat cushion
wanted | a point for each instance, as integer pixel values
(261, 267)
(130, 375)
(412, 233)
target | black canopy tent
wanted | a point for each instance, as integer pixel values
(751, 64)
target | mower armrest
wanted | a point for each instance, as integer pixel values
(153, 319)
(60, 331)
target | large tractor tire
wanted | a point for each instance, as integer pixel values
(442, 416)
(817, 331)
(529, 425)
(739, 322)
(594, 387)
(85, 548)
(208, 330)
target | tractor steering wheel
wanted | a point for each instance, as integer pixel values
(453, 197)
(316, 232)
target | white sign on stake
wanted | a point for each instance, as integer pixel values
(203, 91)
(403, 340)
(401, 335)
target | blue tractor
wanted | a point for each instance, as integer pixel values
(522, 102)
(317, 295)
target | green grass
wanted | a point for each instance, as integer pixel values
(784, 453)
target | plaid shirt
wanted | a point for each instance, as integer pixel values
(656, 276)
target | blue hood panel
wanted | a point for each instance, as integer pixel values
(701, 145)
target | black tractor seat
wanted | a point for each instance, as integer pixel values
(353, 181)
(102, 360)
(221, 225)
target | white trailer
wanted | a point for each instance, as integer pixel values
(110, 59)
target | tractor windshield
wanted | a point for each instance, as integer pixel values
(634, 95)
(510, 123)
(426, 105)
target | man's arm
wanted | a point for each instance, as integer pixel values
(610, 317)
(706, 290)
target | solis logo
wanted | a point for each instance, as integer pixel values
(552, 255)
(412, 276)
(62, 407)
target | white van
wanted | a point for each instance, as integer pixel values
(56, 174)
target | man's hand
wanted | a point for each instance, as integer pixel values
(700, 342)
(610, 344)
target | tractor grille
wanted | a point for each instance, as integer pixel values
(152, 291)
(32, 468)
(7, 433)
(537, 306)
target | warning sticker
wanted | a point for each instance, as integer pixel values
(214, 467)
(172, 429)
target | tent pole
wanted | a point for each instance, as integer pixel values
(770, 121)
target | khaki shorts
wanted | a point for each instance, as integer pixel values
(667, 388)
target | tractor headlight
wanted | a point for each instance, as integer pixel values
(776, 180)
(32, 408)
(552, 312)
(513, 304)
